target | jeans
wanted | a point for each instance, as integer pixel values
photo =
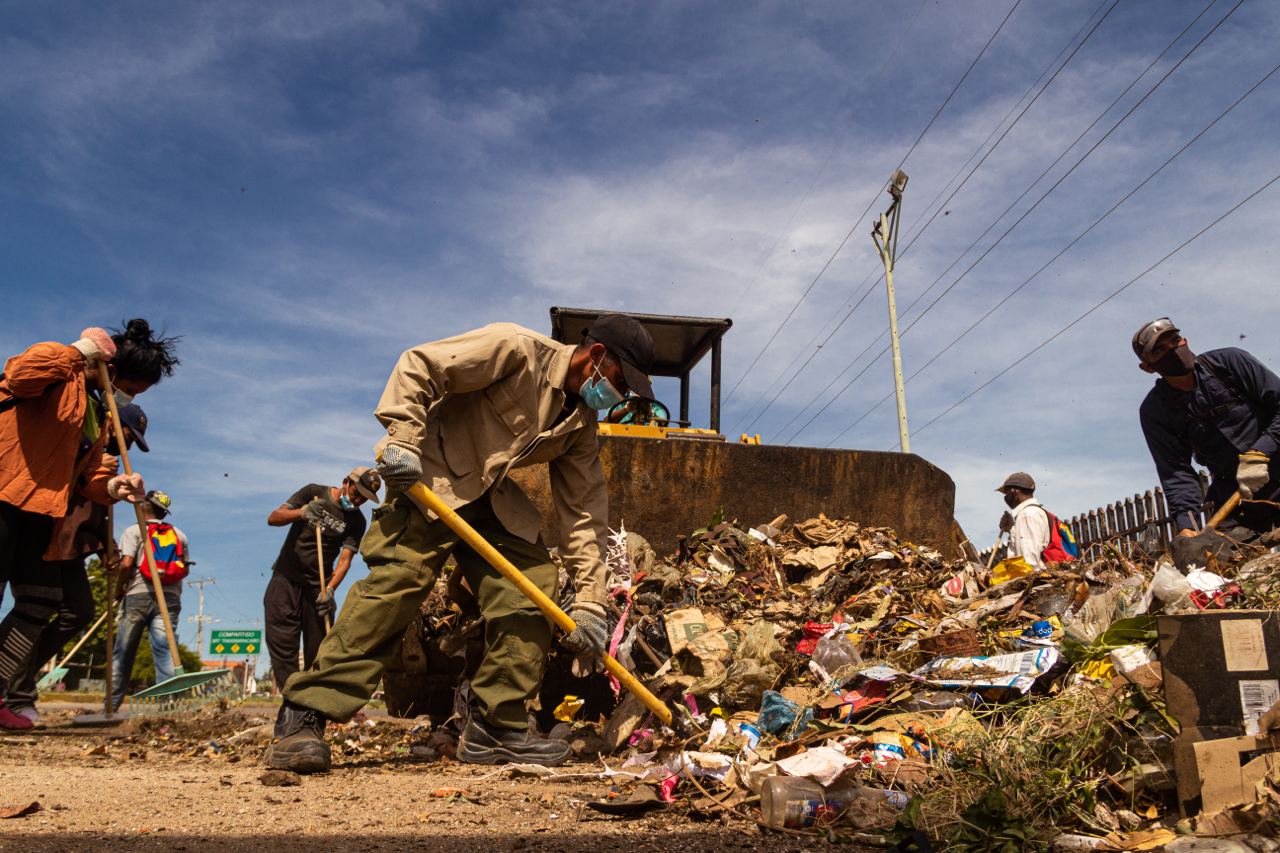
(139, 612)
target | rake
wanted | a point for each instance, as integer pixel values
(186, 691)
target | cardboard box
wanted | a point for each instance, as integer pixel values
(1221, 672)
(1220, 668)
(1229, 770)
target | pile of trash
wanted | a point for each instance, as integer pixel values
(849, 684)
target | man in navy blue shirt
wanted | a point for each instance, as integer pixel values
(1221, 409)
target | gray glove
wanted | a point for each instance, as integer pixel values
(324, 602)
(320, 515)
(400, 467)
(591, 636)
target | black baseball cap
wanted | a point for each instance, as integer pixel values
(135, 419)
(630, 343)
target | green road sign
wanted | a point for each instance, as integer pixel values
(243, 642)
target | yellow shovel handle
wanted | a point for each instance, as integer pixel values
(427, 499)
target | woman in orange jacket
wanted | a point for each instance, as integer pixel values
(51, 440)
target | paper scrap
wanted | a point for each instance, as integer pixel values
(1243, 645)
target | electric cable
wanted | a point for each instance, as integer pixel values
(1020, 219)
(835, 145)
(1067, 247)
(841, 244)
(920, 231)
(866, 288)
(1098, 305)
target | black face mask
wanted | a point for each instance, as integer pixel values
(1178, 361)
(1012, 501)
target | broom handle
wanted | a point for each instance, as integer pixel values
(104, 381)
(320, 560)
(994, 550)
(110, 611)
(93, 629)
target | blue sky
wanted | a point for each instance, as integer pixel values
(302, 190)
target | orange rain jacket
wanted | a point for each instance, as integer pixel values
(42, 410)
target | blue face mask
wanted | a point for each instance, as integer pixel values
(598, 392)
(345, 502)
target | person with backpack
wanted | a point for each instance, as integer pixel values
(1035, 534)
(1219, 408)
(139, 609)
(52, 411)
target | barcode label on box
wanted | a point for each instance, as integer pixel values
(1256, 698)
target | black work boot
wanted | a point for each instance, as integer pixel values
(482, 743)
(298, 742)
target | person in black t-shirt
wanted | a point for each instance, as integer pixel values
(295, 603)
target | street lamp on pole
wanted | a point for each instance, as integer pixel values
(885, 236)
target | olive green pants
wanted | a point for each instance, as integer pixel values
(405, 553)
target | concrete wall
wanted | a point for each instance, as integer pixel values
(665, 488)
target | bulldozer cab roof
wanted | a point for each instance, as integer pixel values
(679, 343)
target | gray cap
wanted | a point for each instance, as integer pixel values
(1144, 340)
(367, 482)
(1018, 480)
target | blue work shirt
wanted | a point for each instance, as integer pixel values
(1234, 407)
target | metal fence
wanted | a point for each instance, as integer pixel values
(1126, 520)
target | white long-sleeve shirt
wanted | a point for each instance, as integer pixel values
(1030, 534)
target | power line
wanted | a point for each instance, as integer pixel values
(791, 375)
(1069, 245)
(1099, 304)
(858, 222)
(940, 208)
(835, 145)
(1022, 217)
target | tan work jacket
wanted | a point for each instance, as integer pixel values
(483, 403)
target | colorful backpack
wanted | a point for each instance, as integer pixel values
(171, 560)
(1062, 547)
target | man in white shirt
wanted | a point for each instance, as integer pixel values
(1028, 523)
(139, 611)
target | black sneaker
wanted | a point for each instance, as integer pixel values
(298, 743)
(484, 744)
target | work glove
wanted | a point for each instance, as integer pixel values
(95, 344)
(1006, 522)
(589, 640)
(399, 467)
(1252, 474)
(324, 602)
(128, 487)
(315, 512)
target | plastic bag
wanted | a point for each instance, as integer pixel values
(1171, 588)
(753, 670)
(780, 716)
(835, 658)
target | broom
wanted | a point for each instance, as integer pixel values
(186, 690)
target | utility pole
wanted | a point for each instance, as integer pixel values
(885, 235)
(200, 619)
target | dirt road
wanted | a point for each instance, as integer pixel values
(183, 786)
